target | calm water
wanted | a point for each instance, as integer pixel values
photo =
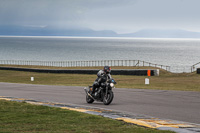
(172, 52)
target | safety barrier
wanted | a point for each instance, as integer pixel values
(85, 63)
(138, 72)
(174, 69)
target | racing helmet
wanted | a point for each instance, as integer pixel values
(107, 69)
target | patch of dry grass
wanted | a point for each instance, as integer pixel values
(166, 80)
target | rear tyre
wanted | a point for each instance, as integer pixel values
(107, 100)
(89, 99)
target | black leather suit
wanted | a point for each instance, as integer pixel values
(102, 77)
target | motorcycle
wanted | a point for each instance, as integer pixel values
(103, 94)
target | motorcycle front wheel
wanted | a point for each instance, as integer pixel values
(108, 99)
(89, 99)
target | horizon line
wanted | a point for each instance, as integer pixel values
(101, 37)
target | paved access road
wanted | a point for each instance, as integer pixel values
(176, 105)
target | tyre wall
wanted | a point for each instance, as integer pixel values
(138, 72)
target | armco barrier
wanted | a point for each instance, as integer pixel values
(138, 72)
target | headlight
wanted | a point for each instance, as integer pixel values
(111, 85)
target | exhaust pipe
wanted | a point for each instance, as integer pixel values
(86, 90)
(88, 94)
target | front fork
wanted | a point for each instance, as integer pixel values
(106, 91)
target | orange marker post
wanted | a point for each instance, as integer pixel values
(148, 72)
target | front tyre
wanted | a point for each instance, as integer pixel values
(89, 99)
(107, 100)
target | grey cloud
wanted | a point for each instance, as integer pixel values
(60, 13)
(178, 14)
(118, 15)
(48, 12)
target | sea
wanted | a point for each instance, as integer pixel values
(172, 52)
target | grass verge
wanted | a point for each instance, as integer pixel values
(23, 117)
(166, 80)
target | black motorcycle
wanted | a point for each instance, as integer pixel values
(103, 94)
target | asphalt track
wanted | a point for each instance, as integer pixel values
(175, 105)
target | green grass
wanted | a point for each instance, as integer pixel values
(23, 117)
(166, 80)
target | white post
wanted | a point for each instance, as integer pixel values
(146, 81)
(158, 72)
(32, 78)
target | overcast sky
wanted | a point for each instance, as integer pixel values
(122, 16)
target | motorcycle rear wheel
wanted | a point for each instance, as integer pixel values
(89, 99)
(107, 100)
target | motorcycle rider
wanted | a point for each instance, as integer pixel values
(102, 77)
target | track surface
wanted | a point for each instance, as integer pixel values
(175, 105)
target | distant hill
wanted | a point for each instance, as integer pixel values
(52, 31)
(152, 33)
